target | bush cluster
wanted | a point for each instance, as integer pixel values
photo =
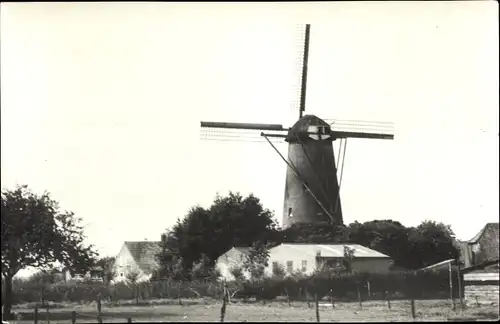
(340, 286)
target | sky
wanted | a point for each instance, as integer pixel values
(101, 105)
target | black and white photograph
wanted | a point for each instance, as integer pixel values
(332, 161)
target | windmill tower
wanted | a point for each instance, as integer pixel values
(313, 176)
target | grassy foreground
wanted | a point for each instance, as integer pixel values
(203, 310)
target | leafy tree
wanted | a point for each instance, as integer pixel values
(385, 236)
(348, 258)
(108, 272)
(237, 273)
(230, 221)
(412, 248)
(431, 242)
(257, 260)
(279, 270)
(203, 270)
(35, 233)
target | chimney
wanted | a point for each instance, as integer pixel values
(163, 238)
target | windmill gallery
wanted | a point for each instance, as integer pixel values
(313, 176)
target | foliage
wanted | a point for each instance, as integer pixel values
(202, 270)
(230, 221)
(432, 284)
(279, 270)
(257, 260)
(431, 242)
(412, 248)
(237, 273)
(35, 233)
(108, 272)
(348, 258)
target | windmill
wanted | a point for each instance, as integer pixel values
(312, 189)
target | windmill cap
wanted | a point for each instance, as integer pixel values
(301, 127)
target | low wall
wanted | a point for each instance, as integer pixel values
(482, 288)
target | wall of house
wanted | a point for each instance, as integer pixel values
(283, 255)
(125, 264)
(372, 265)
(481, 288)
(230, 259)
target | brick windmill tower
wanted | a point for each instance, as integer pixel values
(313, 175)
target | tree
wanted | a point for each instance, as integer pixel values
(348, 258)
(108, 272)
(230, 221)
(431, 242)
(237, 273)
(411, 248)
(385, 236)
(257, 260)
(35, 233)
(279, 270)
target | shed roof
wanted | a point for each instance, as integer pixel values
(144, 254)
(332, 250)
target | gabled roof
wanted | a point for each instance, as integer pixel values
(144, 254)
(490, 226)
(331, 250)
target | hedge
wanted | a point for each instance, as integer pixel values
(345, 287)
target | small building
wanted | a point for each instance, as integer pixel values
(306, 258)
(482, 284)
(484, 246)
(137, 261)
(233, 258)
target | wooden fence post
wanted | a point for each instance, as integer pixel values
(179, 293)
(99, 309)
(35, 315)
(368, 288)
(48, 314)
(316, 301)
(451, 286)
(332, 298)
(459, 278)
(73, 317)
(224, 301)
(359, 297)
(413, 313)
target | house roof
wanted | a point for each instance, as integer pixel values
(144, 254)
(490, 226)
(242, 249)
(332, 250)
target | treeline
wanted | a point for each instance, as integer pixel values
(194, 243)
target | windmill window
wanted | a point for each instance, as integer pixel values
(290, 212)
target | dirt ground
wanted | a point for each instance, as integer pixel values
(429, 310)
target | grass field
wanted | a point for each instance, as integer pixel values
(192, 310)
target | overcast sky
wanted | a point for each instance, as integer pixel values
(101, 105)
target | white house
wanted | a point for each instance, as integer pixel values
(303, 257)
(298, 257)
(137, 259)
(234, 257)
